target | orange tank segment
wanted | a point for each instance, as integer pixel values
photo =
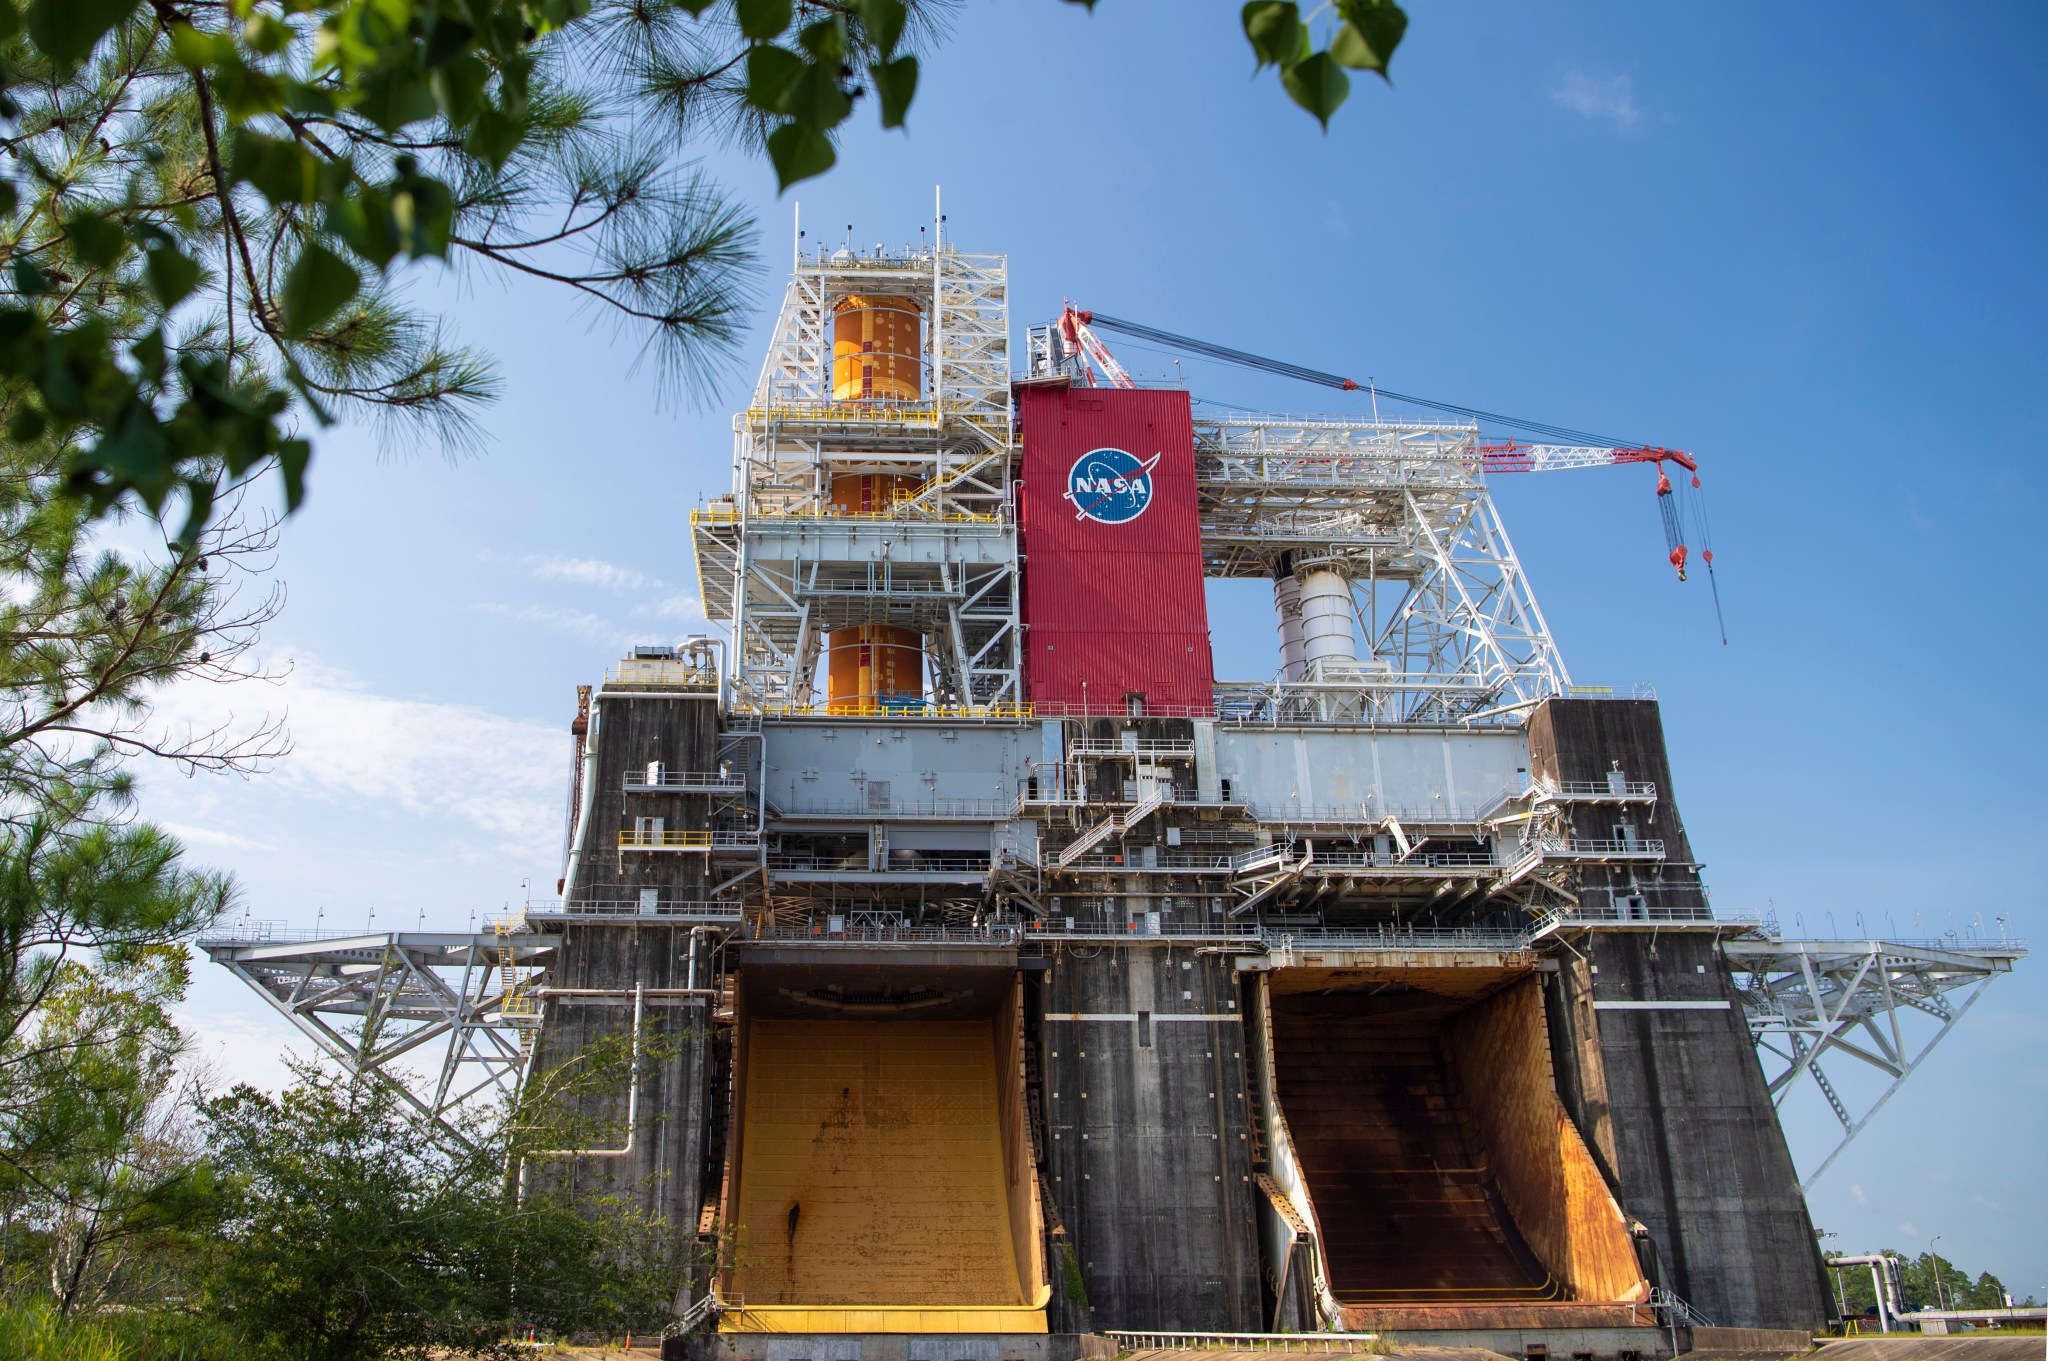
(877, 349)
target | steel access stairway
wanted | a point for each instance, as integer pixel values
(1116, 824)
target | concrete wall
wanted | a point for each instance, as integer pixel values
(1678, 1108)
(626, 733)
(1561, 1203)
(1147, 1136)
(587, 1088)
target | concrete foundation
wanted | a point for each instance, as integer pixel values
(1142, 1055)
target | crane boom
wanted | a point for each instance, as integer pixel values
(1575, 448)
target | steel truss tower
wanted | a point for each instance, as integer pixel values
(781, 567)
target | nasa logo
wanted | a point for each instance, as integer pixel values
(1110, 486)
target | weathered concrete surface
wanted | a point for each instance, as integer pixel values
(1679, 1111)
(585, 1051)
(582, 1074)
(1750, 1342)
(1143, 1076)
(888, 1347)
(1910, 1348)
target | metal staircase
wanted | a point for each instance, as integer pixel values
(1116, 824)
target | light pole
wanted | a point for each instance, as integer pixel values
(1934, 1265)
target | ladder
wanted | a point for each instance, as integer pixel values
(517, 1003)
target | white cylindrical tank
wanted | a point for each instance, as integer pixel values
(1287, 607)
(1326, 630)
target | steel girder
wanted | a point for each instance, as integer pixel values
(1885, 1004)
(374, 1000)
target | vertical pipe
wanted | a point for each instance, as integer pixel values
(1326, 631)
(1287, 608)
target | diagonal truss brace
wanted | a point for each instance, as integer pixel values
(1807, 1000)
(371, 1001)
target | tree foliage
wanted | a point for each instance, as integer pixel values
(207, 203)
(349, 1229)
(1929, 1281)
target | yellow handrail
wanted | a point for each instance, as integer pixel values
(664, 840)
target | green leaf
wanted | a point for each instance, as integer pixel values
(267, 34)
(772, 75)
(363, 222)
(761, 19)
(68, 30)
(172, 274)
(282, 171)
(895, 81)
(458, 86)
(98, 239)
(1318, 84)
(29, 279)
(495, 137)
(799, 152)
(292, 457)
(319, 285)
(1372, 30)
(197, 49)
(1275, 30)
(817, 100)
(28, 424)
(824, 40)
(884, 21)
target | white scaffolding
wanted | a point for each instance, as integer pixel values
(1885, 1004)
(781, 566)
(1450, 624)
(446, 1018)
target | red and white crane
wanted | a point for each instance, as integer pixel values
(1575, 449)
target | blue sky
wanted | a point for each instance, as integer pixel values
(1804, 242)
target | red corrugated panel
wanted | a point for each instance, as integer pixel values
(1113, 599)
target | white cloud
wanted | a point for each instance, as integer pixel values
(1612, 98)
(676, 605)
(500, 776)
(1856, 1194)
(578, 622)
(591, 572)
(1910, 1229)
(193, 835)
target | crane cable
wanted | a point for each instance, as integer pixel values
(1667, 503)
(1307, 375)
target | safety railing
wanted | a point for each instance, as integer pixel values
(1061, 928)
(1639, 691)
(692, 909)
(636, 839)
(1155, 750)
(973, 809)
(1236, 1342)
(1399, 938)
(664, 675)
(1625, 913)
(1361, 815)
(1606, 848)
(1597, 790)
(848, 413)
(1138, 862)
(899, 862)
(909, 710)
(856, 931)
(1420, 860)
(684, 782)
